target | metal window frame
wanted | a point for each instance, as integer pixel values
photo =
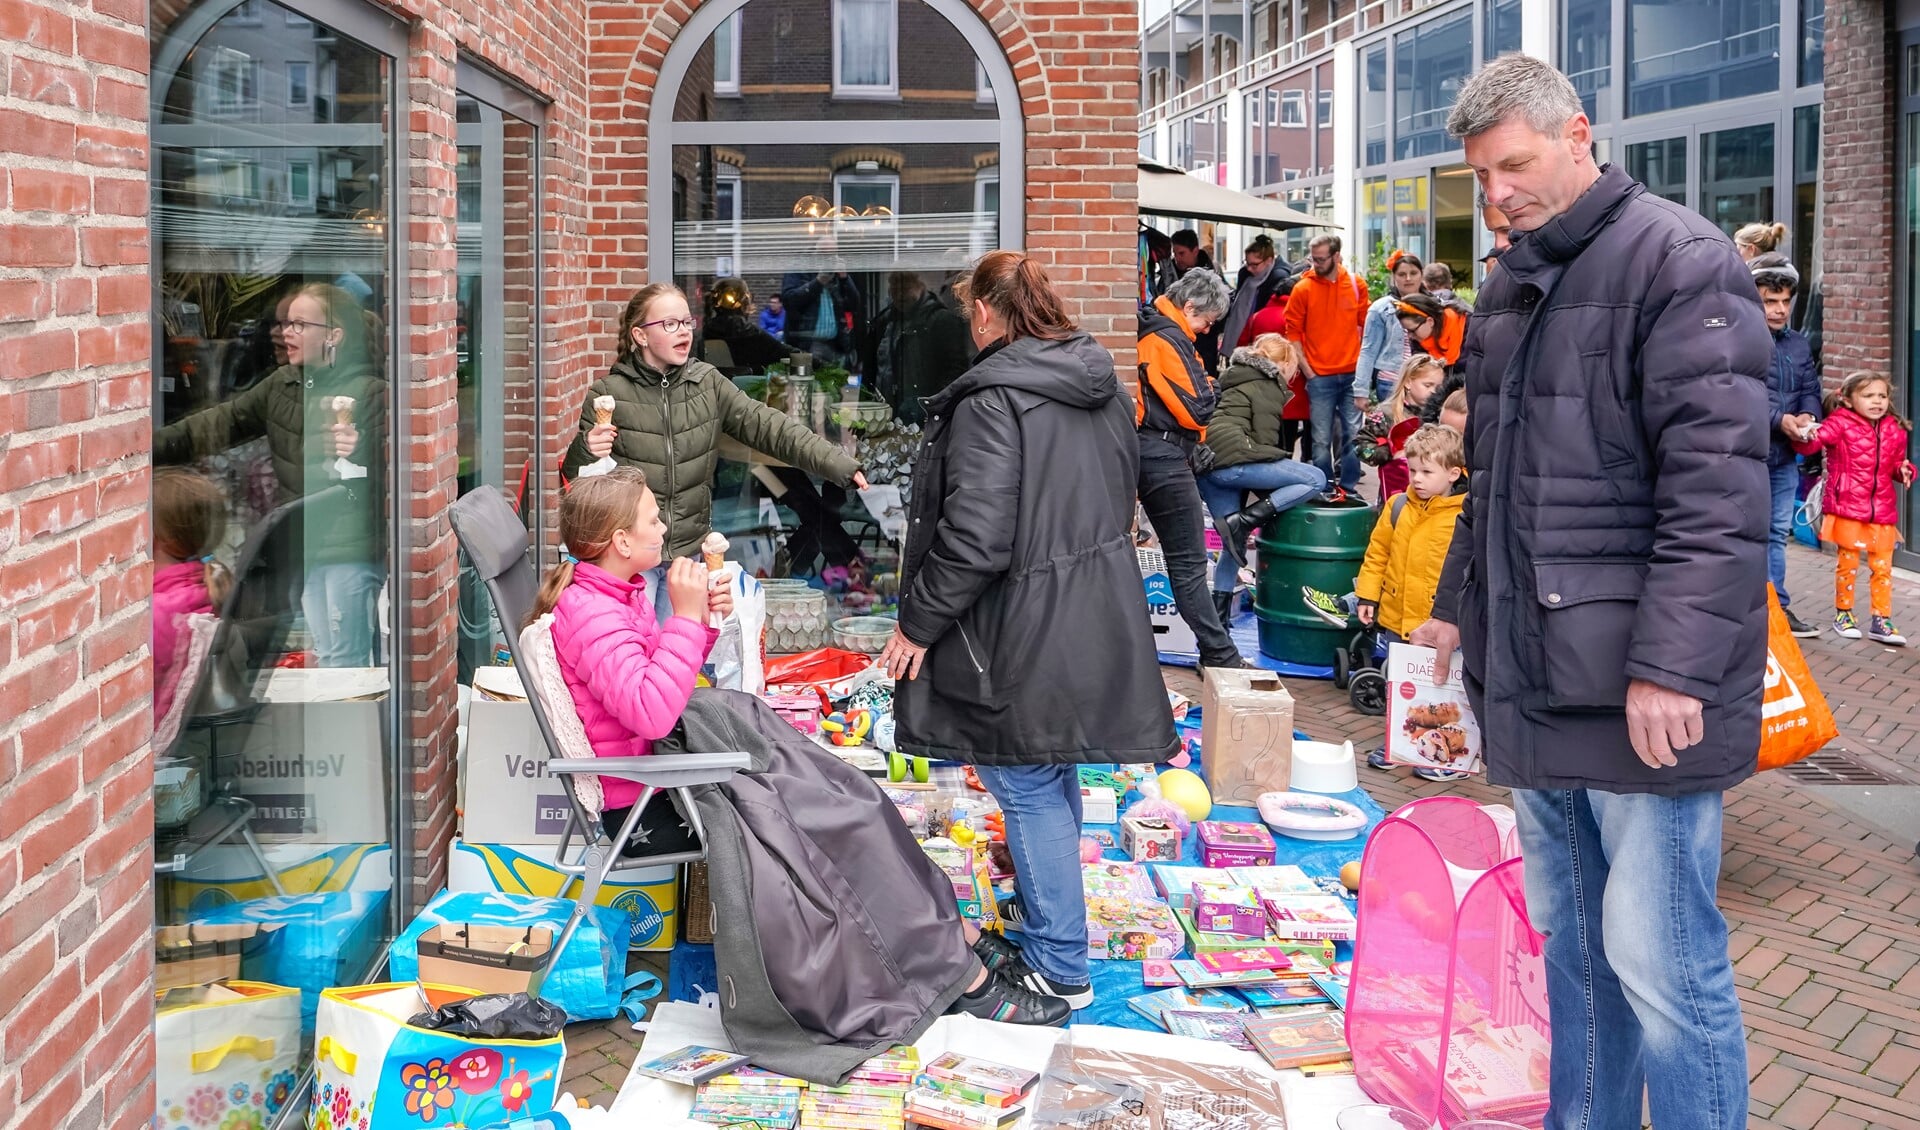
(1007, 129)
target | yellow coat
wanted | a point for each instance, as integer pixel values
(1404, 559)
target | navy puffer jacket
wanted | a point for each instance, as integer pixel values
(1617, 523)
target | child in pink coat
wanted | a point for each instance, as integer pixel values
(189, 519)
(630, 675)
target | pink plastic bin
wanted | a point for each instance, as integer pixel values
(1448, 1003)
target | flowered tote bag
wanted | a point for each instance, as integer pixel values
(227, 1059)
(374, 1071)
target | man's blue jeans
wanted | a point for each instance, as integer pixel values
(1639, 985)
(1285, 482)
(1042, 806)
(1786, 497)
(1335, 424)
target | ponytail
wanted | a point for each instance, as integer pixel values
(591, 512)
(1017, 288)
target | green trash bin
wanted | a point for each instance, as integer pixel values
(1317, 546)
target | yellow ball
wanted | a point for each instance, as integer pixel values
(1350, 876)
(1185, 788)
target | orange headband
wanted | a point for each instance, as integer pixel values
(1393, 260)
(1412, 311)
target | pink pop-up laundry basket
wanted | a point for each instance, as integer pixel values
(1448, 1001)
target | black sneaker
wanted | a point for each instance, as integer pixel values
(995, 950)
(1799, 627)
(1027, 977)
(1000, 999)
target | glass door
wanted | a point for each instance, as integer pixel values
(1906, 329)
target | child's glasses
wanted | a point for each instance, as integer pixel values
(671, 325)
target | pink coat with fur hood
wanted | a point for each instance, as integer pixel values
(630, 676)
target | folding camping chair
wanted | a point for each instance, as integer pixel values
(495, 541)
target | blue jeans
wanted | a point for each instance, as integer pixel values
(1639, 985)
(1286, 482)
(340, 602)
(1335, 424)
(1786, 491)
(1042, 806)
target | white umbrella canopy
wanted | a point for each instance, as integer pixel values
(1167, 191)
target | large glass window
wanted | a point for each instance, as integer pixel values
(1688, 52)
(865, 46)
(1588, 54)
(1813, 42)
(1323, 118)
(1806, 191)
(1736, 176)
(1661, 166)
(1410, 215)
(1430, 62)
(272, 527)
(1200, 142)
(1501, 32)
(1373, 106)
(1376, 212)
(1280, 131)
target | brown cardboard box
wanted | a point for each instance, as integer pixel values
(1246, 733)
(487, 959)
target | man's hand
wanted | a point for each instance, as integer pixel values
(1661, 722)
(1444, 639)
(902, 657)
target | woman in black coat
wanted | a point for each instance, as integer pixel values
(1021, 596)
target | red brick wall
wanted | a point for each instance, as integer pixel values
(1856, 179)
(76, 815)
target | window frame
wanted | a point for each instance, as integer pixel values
(729, 88)
(887, 177)
(843, 89)
(306, 82)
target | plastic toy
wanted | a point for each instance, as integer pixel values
(1311, 816)
(1350, 876)
(847, 728)
(1185, 788)
(976, 848)
(1090, 850)
(1160, 808)
(900, 766)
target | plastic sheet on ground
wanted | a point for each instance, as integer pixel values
(1245, 630)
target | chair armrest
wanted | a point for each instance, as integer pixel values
(666, 771)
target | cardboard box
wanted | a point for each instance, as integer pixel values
(1226, 843)
(228, 873)
(1175, 881)
(1126, 929)
(507, 796)
(1149, 840)
(651, 895)
(491, 959)
(1098, 805)
(1246, 734)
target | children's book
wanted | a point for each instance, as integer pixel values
(1285, 879)
(1427, 726)
(1154, 1006)
(1293, 1041)
(1239, 961)
(691, 1065)
(1220, 1027)
(1175, 880)
(1334, 982)
(1311, 917)
(1157, 973)
(1284, 994)
(1198, 976)
(1492, 1069)
(985, 1074)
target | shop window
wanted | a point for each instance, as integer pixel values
(1500, 33)
(865, 48)
(1430, 63)
(1688, 52)
(1323, 118)
(1736, 176)
(1806, 193)
(1661, 166)
(1587, 54)
(1373, 106)
(1813, 42)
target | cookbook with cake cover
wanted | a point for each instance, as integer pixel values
(1429, 727)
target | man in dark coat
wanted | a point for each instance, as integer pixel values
(1606, 592)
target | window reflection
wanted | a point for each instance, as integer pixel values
(1661, 166)
(1589, 54)
(1688, 53)
(1430, 63)
(1736, 176)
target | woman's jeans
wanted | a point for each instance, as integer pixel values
(1335, 424)
(1639, 985)
(339, 602)
(1286, 483)
(1042, 806)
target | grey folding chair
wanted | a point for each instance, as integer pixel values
(495, 541)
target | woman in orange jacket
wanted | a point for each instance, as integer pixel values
(1437, 328)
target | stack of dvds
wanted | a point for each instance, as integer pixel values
(957, 1092)
(872, 1098)
(749, 1094)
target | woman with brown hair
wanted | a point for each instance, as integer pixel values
(1023, 646)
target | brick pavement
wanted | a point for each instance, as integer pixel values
(1824, 909)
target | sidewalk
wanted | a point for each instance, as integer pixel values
(1824, 906)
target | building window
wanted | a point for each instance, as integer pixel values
(982, 85)
(1293, 109)
(299, 85)
(865, 193)
(726, 213)
(865, 48)
(1587, 54)
(1373, 106)
(1736, 176)
(1501, 32)
(236, 83)
(1661, 166)
(245, 14)
(1688, 53)
(1429, 64)
(726, 56)
(300, 182)
(1156, 86)
(1813, 42)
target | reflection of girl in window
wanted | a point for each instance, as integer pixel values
(323, 414)
(189, 519)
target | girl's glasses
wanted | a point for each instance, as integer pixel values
(298, 327)
(671, 325)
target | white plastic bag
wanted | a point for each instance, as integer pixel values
(739, 655)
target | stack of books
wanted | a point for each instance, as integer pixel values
(957, 1092)
(873, 1097)
(1299, 1039)
(749, 1094)
(1492, 1071)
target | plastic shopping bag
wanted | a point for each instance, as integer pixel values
(739, 654)
(1794, 717)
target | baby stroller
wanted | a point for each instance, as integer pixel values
(1358, 670)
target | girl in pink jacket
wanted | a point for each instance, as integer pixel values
(189, 519)
(629, 674)
(1867, 468)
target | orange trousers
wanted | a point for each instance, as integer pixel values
(1852, 538)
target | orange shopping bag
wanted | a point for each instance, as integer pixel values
(1794, 718)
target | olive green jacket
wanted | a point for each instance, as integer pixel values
(1246, 426)
(670, 427)
(287, 408)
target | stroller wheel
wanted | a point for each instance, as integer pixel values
(1342, 668)
(1368, 692)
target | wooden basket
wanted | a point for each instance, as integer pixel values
(696, 912)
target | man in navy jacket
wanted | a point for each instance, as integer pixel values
(1793, 394)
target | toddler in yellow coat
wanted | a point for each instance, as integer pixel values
(1409, 546)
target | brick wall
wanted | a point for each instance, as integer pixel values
(75, 682)
(1856, 180)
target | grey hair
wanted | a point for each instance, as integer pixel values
(1514, 85)
(1205, 290)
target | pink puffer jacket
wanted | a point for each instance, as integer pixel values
(178, 591)
(1864, 458)
(629, 675)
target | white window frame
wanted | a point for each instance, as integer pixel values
(246, 83)
(1293, 109)
(306, 72)
(982, 88)
(891, 89)
(730, 176)
(890, 179)
(246, 14)
(305, 198)
(729, 87)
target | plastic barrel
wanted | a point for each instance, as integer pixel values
(1318, 546)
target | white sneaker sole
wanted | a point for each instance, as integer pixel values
(1890, 641)
(1039, 984)
(1847, 633)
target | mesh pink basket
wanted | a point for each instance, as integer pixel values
(1447, 1012)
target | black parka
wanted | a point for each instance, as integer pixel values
(1617, 524)
(1020, 574)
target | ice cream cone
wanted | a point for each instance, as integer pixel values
(343, 410)
(603, 410)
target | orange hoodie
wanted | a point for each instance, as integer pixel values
(1325, 316)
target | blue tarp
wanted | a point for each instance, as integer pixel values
(1245, 630)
